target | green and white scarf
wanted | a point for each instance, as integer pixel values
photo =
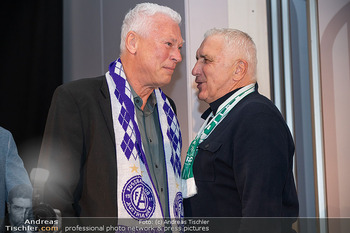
(189, 188)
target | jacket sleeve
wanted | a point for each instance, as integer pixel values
(16, 174)
(62, 153)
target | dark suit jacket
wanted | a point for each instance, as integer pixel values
(79, 150)
(244, 167)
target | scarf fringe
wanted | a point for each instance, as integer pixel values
(189, 188)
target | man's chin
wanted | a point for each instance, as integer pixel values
(165, 82)
(201, 97)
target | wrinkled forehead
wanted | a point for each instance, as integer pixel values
(21, 202)
(212, 45)
(163, 25)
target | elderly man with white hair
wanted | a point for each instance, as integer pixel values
(112, 144)
(241, 162)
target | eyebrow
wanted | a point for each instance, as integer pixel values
(204, 56)
(180, 43)
(175, 41)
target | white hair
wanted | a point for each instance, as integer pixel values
(239, 43)
(137, 19)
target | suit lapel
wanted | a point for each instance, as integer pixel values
(105, 104)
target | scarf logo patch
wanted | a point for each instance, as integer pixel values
(178, 206)
(138, 198)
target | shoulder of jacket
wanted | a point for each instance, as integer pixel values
(83, 83)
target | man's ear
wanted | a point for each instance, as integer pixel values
(240, 69)
(131, 42)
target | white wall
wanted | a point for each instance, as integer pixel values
(334, 28)
(201, 15)
(251, 17)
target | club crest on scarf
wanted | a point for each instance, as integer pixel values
(138, 198)
(178, 206)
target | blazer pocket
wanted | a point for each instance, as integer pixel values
(204, 163)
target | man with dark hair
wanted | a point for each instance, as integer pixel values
(19, 206)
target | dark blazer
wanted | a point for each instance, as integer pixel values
(244, 167)
(79, 150)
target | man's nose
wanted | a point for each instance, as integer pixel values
(176, 56)
(22, 213)
(196, 69)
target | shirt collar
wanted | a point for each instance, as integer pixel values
(216, 104)
(151, 101)
(213, 106)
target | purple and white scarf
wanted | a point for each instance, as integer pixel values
(137, 196)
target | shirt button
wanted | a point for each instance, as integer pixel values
(156, 166)
(161, 189)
